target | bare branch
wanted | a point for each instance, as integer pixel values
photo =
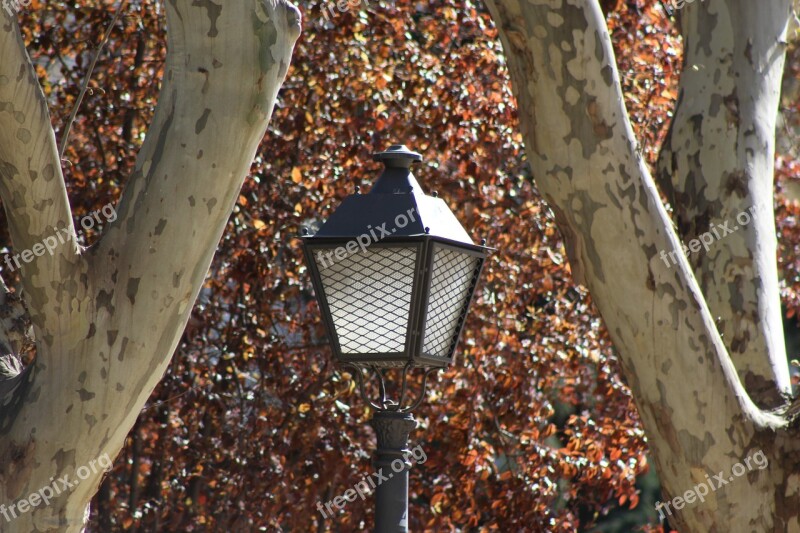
(85, 84)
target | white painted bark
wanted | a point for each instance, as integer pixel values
(108, 319)
(698, 417)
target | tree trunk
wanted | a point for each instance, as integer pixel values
(700, 420)
(107, 319)
(717, 167)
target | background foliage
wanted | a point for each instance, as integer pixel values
(534, 429)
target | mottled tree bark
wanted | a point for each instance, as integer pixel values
(107, 320)
(698, 416)
(717, 163)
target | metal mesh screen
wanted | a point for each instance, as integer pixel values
(369, 295)
(451, 284)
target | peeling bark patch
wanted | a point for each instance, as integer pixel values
(92, 331)
(748, 51)
(210, 204)
(571, 244)
(85, 395)
(176, 279)
(714, 106)
(693, 199)
(267, 36)
(762, 390)
(695, 449)
(204, 90)
(214, 11)
(18, 461)
(24, 135)
(191, 201)
(120, 387)
(709, 22)
(201, 122)
(732, 105)
(133, 289)
(674, 305)
(160, 227)
(598, 46)
(586, 209)
(700, 407)
(7, 170)
(651, 281)
(112, 336)
(736, 182)
(48, 172)
(602, 130)
(161, 142)
(63, 458)
(122, 349)
(104, 299)
(608, 75)
(612, 196)
(663, 414)
(697, 127)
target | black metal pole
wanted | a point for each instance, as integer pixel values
(392, 465)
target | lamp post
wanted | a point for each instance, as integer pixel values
(394, 273)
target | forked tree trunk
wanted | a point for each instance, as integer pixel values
(107, 320)
(696, 408)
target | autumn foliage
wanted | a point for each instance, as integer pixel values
(534, 428)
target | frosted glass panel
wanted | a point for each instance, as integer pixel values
(452, 281)
(369, 295)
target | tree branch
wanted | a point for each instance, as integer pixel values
(85, 84)
(31, 183)
(717, 167)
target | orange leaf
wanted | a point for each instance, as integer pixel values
(297, 177)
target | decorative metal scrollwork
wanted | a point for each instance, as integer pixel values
(383, 403)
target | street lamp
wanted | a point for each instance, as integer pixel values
(394, 273)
